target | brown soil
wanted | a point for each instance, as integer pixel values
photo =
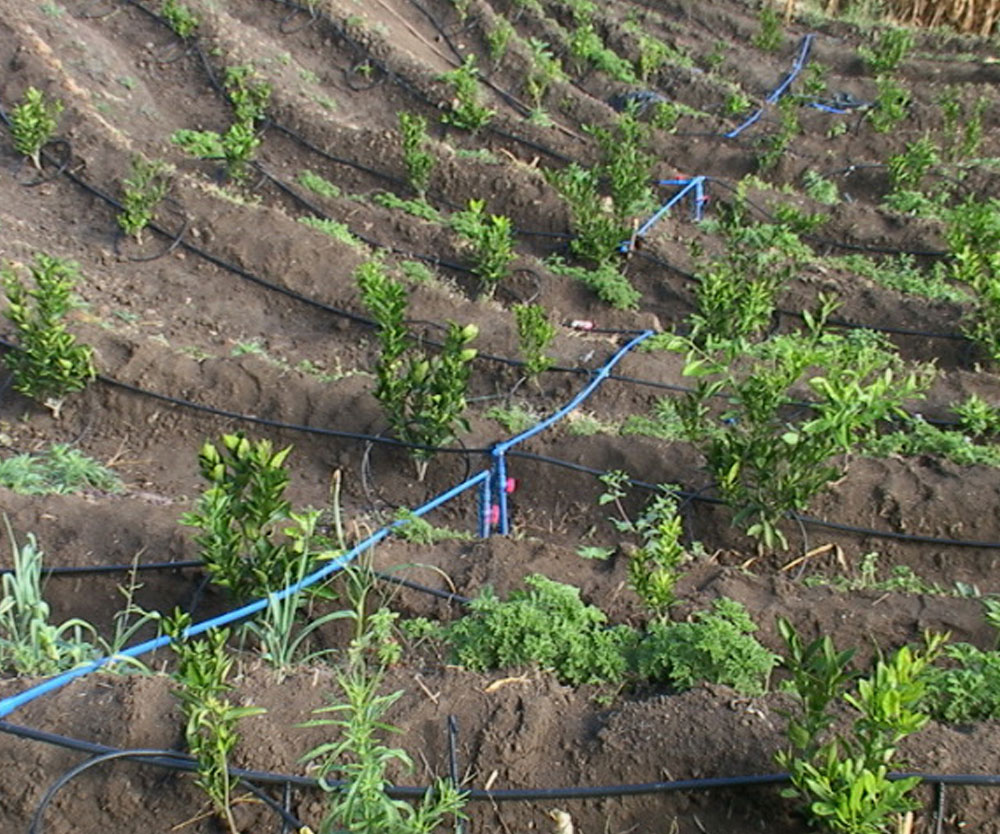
(246, 273)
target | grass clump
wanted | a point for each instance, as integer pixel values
(29, 643)
(318, 184)
(59, 470)
(333, 229)
(419, 208)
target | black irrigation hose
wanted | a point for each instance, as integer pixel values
(912, 538)
(839, 244)
(179, 761)
(157, 756)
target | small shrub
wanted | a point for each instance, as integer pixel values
(534, 334)
(891, 105)
(598, 233)
(423, 395)
(147, 186)
(418, 160)
(33, 123)
(844, 780)
(492, 240)
(586, 44)
(466, 112)
(210, 719)
(718, 646)
(769, 36)
(888, 52)
(50, 364)
(179, 18)
(766, 463)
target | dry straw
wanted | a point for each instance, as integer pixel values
(972, 16)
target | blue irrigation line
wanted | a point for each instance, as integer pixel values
(778, 91)
(695, 184)
(500, 449)
(489, 481)
(8, 705)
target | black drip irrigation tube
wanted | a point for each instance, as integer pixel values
(181, 761)
(167, 758)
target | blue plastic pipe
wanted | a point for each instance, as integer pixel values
(8, 705)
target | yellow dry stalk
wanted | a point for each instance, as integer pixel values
(970, 16)
(975, 16)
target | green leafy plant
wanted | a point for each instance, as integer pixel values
(250, 539)
(586, 45)
(423, 395)
(626, 165)
(907, 169)
(179, 18)
(548, 625)
(654, 54)
(775, 145)
(973, 235)
(466, 112)
(498, 37)
(968, 689)
(534, 334)
(49, 364)
(820, 189)
(492, 241)
(144, 189)
(417, 530)
(545, 69)
(902, 273)
(918, 437)
(58, 470)
(33, 122)
(514, 418)
(29, 643)
(210, 718)
(597, 232)
(717, 646)
(844, 780)
(605, 280)
(654, 566)
(249, 97)
(358, 757)
(978, 417)
(769, 36)
(888, 52)
(333, 229)
(417, 208)
(766, 460)
(962, 126)
(318, 184)
(282, 641)
(737, 292)
(891, 105)
(418, 160)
